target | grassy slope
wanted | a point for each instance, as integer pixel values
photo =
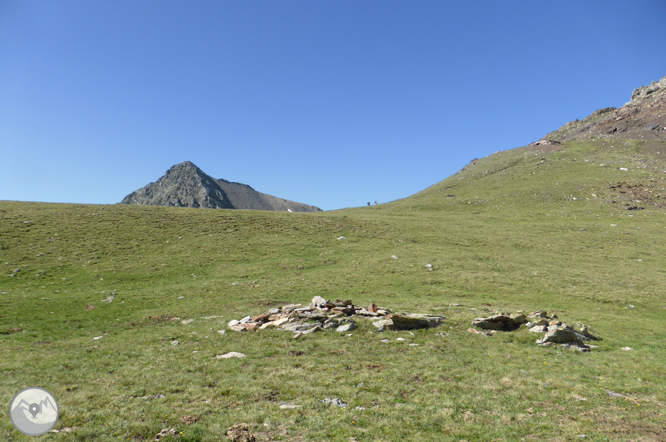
(505, 233)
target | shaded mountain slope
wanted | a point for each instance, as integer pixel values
(185, 185)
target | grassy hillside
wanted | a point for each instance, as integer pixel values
(541, 227)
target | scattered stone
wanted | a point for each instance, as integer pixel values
(428, 266)
(109, 299)
(187, 321)
(385, 341)
(400, 339)
(175, 342)
(341, 237)
(181, 297)
(240, 433)
(334, 401)
(394, 257)
(166, 432)
(221, 332)
(285, 406)
(233, 354)
(97, 338)
(323, 314)
(413, 345)
(556, 332)
(626, 348)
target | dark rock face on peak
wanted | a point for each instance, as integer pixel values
(642, 118)
(185, 185)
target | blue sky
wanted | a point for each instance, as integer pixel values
(330, 103)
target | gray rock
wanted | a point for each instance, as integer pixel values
(347, 327)
(314, 329)
(538, 329)
(383, 325)
(245, 319)
(298, 326)
(582, 329)
(415, 321)
(559, 336)
(233, 322)
(233, 354)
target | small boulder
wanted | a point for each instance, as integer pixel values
(347, 327)
(414, 321)
(233, 354)
(384, 324)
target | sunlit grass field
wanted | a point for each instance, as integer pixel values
(536, 228)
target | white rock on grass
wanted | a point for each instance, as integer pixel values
(233, 322)
(233, 354)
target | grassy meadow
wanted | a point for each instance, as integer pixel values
(535, 228)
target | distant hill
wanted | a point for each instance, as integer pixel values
(185, 185)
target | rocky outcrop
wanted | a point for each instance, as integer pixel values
(339, 315)
(644, 117)
(185, 185)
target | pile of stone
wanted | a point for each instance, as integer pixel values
(339, 315)
(556, 332)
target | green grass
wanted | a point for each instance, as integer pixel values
(504, 234)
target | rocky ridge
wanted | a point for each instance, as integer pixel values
(642, 118)
(185, 185)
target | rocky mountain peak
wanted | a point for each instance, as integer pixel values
(185, 185)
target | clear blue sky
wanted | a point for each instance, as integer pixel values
(330, 103)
